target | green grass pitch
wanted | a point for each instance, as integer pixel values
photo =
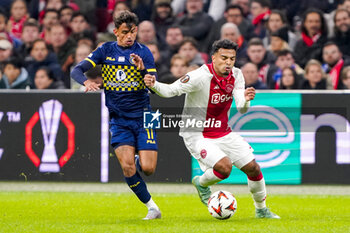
(108, 212)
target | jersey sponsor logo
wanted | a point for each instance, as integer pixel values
(125, 85)
(151, 142)
(110, 59)
(229, 88)
(121, 59)
(218, 98)
(203, 153)
(120, 75)
(185, 79)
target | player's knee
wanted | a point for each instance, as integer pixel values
(223, 168)
(128, 169)
(226, 170)
(253, 170)
(148, 170)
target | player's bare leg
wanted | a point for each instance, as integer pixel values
(256, 184)
(221, 170)
(125, 155)
(148, 161)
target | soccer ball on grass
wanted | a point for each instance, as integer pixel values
(222, 205)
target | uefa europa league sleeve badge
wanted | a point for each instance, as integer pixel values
(50, 113)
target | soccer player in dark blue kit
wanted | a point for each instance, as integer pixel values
(124, 64)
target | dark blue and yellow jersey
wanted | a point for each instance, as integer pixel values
(126, 93)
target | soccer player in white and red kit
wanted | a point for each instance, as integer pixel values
(210, 91)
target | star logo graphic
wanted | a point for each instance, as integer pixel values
(156, 115)
(151, 120)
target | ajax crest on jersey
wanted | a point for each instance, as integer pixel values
(222, 205)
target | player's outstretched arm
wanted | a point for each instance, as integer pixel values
(78, 75)
(169, 90)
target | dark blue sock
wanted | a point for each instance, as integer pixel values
(138, 186)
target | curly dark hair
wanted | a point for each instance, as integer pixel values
(127, 17)
(223, 44)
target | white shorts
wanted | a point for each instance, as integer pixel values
(208, 151)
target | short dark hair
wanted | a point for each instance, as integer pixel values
(340, 10)
(283, 52)
(329, 43)
(15, 61)
(126, 17)
(223, 44)
(48, 72)
(281, 14)
(64, 8)
(77, 14)
(234, 6)
(255, 41)
(51, 10)
(3, 14)
(37, 41)
(190, 40)
(31, 23)
(263, 3)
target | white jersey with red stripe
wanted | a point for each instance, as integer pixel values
(208, 99)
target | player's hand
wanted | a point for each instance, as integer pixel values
(137, 61)
(149, 80)
(249, 93)
(91, 86)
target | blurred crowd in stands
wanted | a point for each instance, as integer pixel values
(283, 44)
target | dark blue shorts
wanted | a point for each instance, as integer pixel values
(128, 131)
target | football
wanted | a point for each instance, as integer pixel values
(222, 205)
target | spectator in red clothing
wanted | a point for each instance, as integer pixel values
(314, 36)
(50, 18)
(334, 62)
(260, 10)
(19, 15)
(119, 6)
(65, 16)
(263, 59)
